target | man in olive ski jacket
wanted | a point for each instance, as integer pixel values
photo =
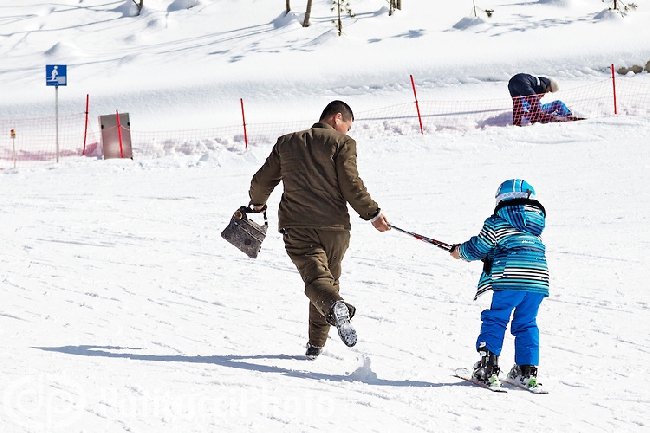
(318, 169)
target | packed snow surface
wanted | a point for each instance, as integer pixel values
(124, 310)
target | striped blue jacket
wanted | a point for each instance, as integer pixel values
(511, 249)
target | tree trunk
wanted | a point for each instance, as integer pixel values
(307, 14)
(394, 4)
(340, 24)
(288, 6)
(140, 5)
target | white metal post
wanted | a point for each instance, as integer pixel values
(56, 102)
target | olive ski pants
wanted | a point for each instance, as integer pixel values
(317, 254)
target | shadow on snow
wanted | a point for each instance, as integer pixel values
(242, 362)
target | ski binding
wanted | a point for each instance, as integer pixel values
(466, 374)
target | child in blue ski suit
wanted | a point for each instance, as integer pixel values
(515, 269)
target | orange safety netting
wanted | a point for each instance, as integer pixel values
(35, 140)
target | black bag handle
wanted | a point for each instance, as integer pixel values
(244, 210)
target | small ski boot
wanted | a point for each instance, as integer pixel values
(339, 316)
(487, 369)
(526, 375)
(313, 352)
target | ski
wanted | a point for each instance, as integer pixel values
(569, 118)
(466, 374)
(539, 389)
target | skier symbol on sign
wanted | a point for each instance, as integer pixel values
(55, 75)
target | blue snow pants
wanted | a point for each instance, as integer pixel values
(524, 324)
(557, 108)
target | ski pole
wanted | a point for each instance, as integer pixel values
(435, 242)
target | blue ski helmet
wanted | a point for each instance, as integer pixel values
(514, 188)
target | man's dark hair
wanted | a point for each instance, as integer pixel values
(336, 107)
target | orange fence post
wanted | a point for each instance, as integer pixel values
(417, 106)
(243, 116)
(86, 125)
(13, 139)
(614, 86)
(119, 134)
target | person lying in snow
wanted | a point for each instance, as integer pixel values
(556, 108)
(525, 88)
(526, 92)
